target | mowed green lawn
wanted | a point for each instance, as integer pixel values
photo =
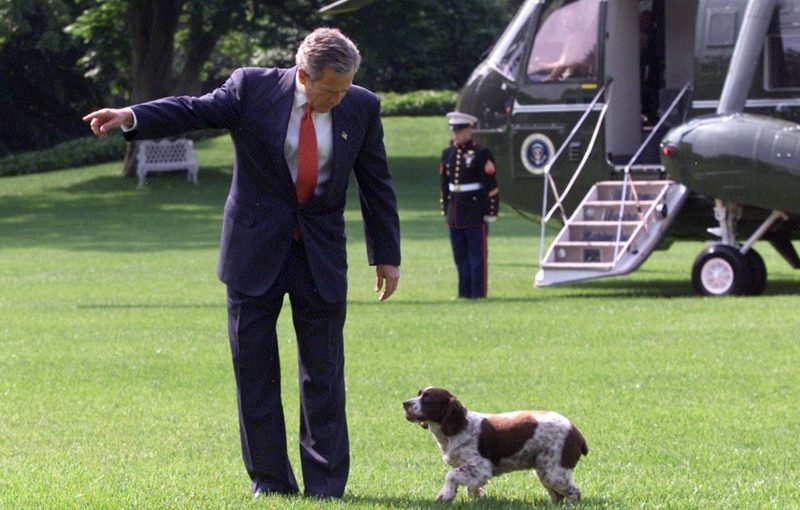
(116, 387)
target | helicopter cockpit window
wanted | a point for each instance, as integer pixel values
(506, 56)
(565, 46)
(782, 70)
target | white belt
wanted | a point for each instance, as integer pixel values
(472, 186)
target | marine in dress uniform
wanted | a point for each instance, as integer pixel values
(469, 197)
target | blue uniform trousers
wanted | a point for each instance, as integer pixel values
(324, 447)
(469, 253)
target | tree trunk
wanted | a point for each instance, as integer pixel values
(151, 25)
(201, 44)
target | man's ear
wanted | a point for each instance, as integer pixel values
(301, 73)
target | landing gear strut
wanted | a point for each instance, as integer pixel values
(726, 268)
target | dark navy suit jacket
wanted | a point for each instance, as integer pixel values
(262, 210)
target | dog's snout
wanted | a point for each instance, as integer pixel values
(406, 404)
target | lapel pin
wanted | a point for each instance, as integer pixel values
(344, 135)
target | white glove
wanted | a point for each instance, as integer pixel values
(489, 219)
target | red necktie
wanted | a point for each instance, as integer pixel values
(307, 158)
(307, 163)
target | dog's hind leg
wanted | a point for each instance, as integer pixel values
(554, 496)
(558, 483)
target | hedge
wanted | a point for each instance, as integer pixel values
(90, 150)
(421, 102)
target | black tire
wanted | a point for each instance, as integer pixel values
(758, 273)
(721, 270)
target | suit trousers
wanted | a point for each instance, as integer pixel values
(469, 254)
(324, 446)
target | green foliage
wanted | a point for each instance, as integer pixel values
(83, 151)
(102, 28)
(60, 59)
(117, 388)
(43, 91)
(79, 152)
(423, 44)
(21, 17)
(211, 39)
(421, 102)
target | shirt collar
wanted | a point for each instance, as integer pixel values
(300, 98)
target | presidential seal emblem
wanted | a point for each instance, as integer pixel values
(536, 152)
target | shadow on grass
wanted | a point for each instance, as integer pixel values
(599, 290)
(112, 214)
(661, 288)
(462, 502)
(133, 306)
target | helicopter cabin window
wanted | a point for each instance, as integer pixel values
(506, 55)
(565, 46)
(782, 70)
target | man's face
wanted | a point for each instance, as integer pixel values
(327, 91)
(462, 135)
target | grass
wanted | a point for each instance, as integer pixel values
(116, 389)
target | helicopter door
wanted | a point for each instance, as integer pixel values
(556, 86)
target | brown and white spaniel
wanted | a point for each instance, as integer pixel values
(480, 446)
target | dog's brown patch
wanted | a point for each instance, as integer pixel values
(574, 447)
(502, 436)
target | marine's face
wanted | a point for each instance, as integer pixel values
(327, 90)
(462, 135)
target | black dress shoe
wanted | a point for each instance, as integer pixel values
(322, 497)
(259, 493)
(260, 489)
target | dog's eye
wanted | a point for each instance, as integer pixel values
(419, 393)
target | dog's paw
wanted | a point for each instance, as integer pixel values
(478, 492)
(445, 496)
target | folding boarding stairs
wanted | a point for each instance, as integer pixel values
(611, 233)
(617, 225)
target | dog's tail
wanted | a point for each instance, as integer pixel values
(574, 446)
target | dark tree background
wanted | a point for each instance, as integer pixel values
(42, 88)
(60, 59)
(423, 44)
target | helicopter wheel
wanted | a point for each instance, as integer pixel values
(758, 273)
(721, 270)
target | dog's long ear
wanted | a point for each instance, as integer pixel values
(455, 419)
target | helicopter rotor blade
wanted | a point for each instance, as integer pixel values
(344, 6)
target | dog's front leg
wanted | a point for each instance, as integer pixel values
(448, 492)
(476, 492)
(467, 475)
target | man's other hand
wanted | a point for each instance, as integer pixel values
(103, 121)
(386, 278)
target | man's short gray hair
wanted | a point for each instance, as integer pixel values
(327, 47)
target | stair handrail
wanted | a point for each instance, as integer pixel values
(546, 215)
(628, 180)
(579, 169)
(564, 145)
(658, 125)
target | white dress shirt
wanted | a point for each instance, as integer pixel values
(323, 127)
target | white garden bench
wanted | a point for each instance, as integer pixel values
(166, 156)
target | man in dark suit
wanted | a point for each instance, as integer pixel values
(298, 133)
